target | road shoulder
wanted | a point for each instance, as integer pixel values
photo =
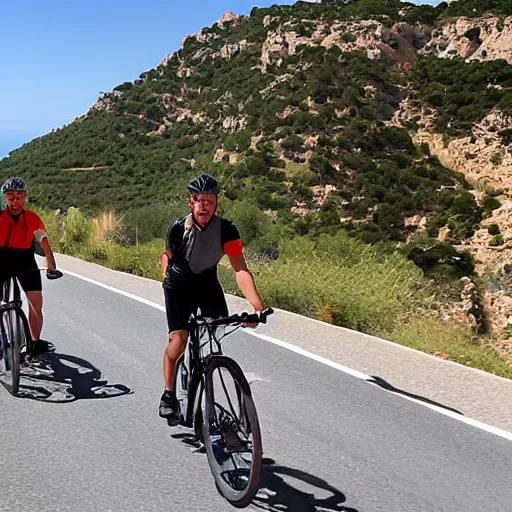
(474, 393)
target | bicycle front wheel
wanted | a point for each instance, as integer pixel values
(15, 338)
(231, 432)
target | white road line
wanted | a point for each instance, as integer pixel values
(310, 355)
(117, 290)
(345, 369)
(369, 378)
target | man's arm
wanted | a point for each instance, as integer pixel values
(50, 258)
(171, 241)
(246, 281)
(165, 257)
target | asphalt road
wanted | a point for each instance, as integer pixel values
(85, 436)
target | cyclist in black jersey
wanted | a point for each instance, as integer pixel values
(195, 244)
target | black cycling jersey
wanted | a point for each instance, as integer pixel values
(196, 250)
(191, 278)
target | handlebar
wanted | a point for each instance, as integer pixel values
(50, 274)
(242, 318)
(53, 274)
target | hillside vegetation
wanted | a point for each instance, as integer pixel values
(296, 109)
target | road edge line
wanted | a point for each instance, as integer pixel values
(310, 355)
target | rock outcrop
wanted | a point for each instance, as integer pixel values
(487, 38)
(229, 16)
(106, 101)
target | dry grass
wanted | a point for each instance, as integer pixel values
(108, 227)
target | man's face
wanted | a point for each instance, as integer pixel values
(203, 207)
(15, 201)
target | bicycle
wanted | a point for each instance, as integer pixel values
(223, 416)
(14, 328)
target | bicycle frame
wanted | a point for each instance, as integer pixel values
(195, 365)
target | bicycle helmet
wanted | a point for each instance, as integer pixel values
(205, 184)
(14, 185)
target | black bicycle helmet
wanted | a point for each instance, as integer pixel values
(14, 185)
(205, 184)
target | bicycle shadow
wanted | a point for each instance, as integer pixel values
(277, 494)
(62, 378)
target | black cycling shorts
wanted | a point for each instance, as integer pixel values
(22, 264)
(180, 303)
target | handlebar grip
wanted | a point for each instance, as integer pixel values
(243, 318)
(53, 274)
(264, 314)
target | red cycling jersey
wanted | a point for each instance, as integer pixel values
(17, 232)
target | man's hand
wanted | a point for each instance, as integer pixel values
(165, 257)
(258, 309)
(53, 274)
(257, 305)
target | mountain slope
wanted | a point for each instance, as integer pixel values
(307, 110)
(280, 105)
(383, 119)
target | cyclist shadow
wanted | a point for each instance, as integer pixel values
(62, 378)
(276, 493)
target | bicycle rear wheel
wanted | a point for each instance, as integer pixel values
(231, 432)
(14, 331)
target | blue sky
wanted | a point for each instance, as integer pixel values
(56, 55)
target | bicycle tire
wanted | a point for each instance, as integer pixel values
(237, 497)
(180, 390)
(4, 364)
(15, 331)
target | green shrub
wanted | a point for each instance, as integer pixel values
(76, 232)
(99, 252)
(506, 136)
(149, 222)
(459, 90)
(497, 241)
(341, 280)
(490, 203)
(441, 259)
(493, 229)
(256, 228)
(348, 37)
(54, 227)
(497, 159)
(294, 143)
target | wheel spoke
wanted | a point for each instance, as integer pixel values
(234, 453)
(227, 395)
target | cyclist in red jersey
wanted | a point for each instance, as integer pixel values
(19, 227)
